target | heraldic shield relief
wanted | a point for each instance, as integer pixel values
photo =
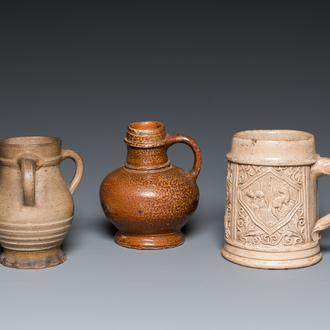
(271, 218)
(270, 205)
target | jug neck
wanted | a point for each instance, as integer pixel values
(146, 158)
(146, 146)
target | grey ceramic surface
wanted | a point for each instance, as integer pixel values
(84, 71)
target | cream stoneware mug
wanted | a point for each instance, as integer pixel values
(271, 213)
(36, 206)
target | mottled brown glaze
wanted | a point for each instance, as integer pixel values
(149, 200)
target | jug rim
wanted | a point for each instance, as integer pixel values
(146, 134)
(146, 127)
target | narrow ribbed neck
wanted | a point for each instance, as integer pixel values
(146, 146)
(146, 134)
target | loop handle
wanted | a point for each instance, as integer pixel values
(67, 153)
(28, 172)
(321, 168)
(178, 138)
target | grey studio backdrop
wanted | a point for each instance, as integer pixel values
(83, 71)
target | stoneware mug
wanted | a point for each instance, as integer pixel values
(36, 206)
(271, 212)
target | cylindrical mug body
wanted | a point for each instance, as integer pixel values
(271, 200)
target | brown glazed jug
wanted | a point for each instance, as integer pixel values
(36, 206)
(148, 199)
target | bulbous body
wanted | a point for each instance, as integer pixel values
(36, 208)
(149, 200)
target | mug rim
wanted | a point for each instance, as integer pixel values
(31, 140)
(280, 135)
(273, 148)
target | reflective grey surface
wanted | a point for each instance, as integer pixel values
(83, 72)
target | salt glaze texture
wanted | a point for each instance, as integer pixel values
(148, 199)
(271, 213)
(36, 208)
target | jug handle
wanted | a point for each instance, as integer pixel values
(321, 168)
(67, 153)
(178, 138)
(28, 170)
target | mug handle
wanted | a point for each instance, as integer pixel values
(321, 168)
(178, 138)
(28, 172)
(67, 153)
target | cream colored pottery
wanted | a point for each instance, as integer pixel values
(271, 213)
(36, 206)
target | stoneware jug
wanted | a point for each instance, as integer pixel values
(271, 213)
(149, 199)
(36, 206)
